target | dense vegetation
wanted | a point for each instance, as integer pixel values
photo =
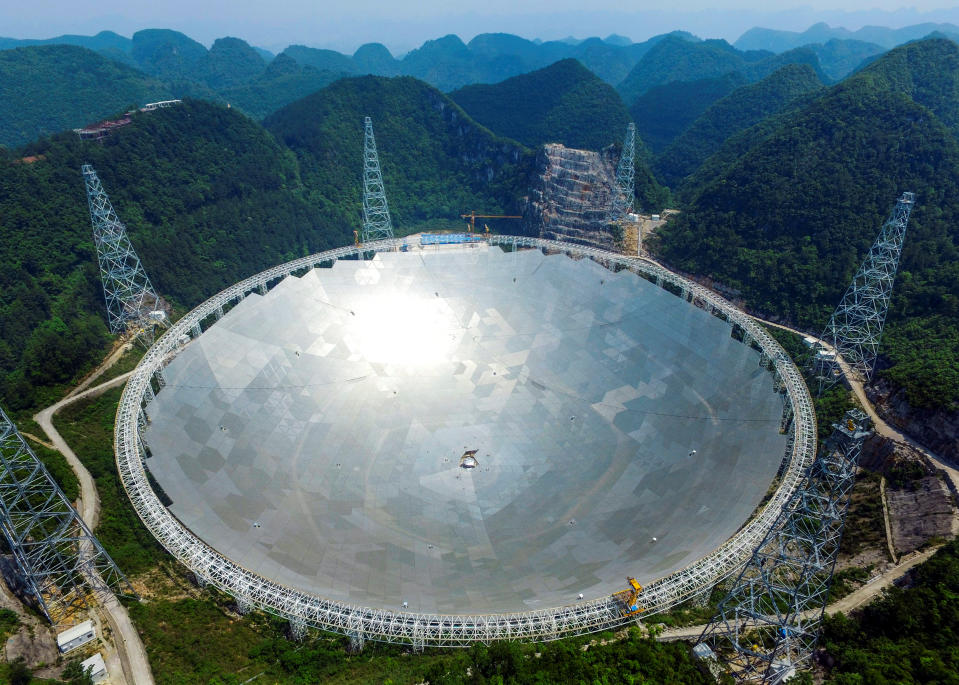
(907, 636)
(737, 111)
(663, 112)
(839, 58)
(437, 162)
(207, 195)
(562, 103)
(675, 59)
(788, 217)
(197, 640)
(49, 88)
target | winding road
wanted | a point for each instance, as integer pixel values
(133, 658)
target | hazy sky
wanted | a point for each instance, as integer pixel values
(346, 24)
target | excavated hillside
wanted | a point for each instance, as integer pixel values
(570, 195)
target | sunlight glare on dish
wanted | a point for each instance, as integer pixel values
(401, 328)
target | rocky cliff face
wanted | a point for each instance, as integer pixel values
(937, 430)
(570, 194)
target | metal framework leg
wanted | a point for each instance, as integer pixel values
(855, 328)
(132, 302)
(766, 627)
(376, 212)
(62, 564)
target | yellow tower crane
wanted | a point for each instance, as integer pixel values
(473, 216)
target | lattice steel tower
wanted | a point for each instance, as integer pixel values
(766, 627)
(376, 213)
(624, 191)
(855, 328)
(132, 303)
(60, 561)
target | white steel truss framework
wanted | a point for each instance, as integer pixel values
(377, 224)
(624, 191)
(767, 626)
(418, 629)
(62, 565)
(130, 297)
(855, 328)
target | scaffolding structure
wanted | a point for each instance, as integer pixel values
(765, 629)
(363, 623)
(377, 224)
(132, 303)
(624, 190)
(855, 328)
(59, 560)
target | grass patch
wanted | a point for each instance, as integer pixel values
(690, 613)
(848, 580)
(201, 640)
(865, 527)
(87, 426)
(58, 467)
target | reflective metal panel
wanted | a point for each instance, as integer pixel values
(314, 435)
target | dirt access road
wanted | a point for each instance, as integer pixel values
(129, 647)
(853, 600)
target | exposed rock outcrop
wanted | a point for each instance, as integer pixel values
(937, 430)
(570, 195)
(920, 503)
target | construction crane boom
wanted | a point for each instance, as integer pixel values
(473, 216)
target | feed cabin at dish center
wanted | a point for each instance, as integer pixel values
(313, 438)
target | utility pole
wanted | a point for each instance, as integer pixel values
(376, 213)
(132, 303)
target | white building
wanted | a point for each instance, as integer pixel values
(71, 638)
(98, 669)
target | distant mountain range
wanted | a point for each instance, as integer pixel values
(258, 83)
(780, 41)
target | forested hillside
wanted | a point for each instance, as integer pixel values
(675, 59)
(563, 103)
(437, 162)
(208, 198)
(739, 110)
(49, 88)
(787, 219)
(907, 636)
(839, 58)
(663, 112)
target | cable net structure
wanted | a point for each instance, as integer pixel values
(418, 629)
(625, 189)
(132, 303)
(765, 629)
(60, 561)
(855, 328)
(377, 224)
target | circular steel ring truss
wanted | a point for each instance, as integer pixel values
(420, 629)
